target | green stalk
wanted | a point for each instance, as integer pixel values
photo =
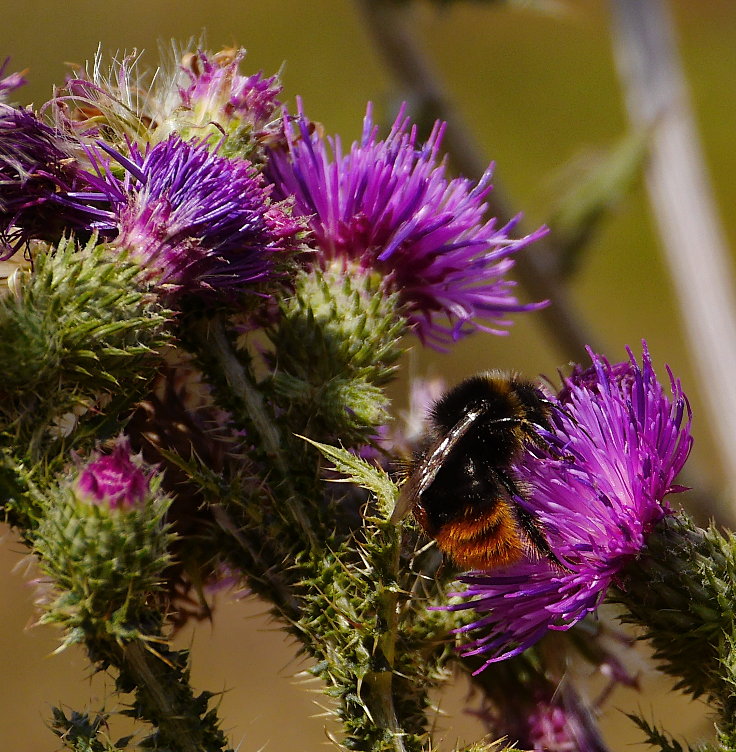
(251, 398)
(215, 342)
(383, 710)
(164, 697)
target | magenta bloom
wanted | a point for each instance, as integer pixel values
(552, 729)
(114, 479)
(546, 722)
(622, 441)
(199, 222)
(388, 206)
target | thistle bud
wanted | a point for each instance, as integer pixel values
(104, 544)
(114, 479)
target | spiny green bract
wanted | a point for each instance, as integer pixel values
(76, 326)
(234, 140)
(83, 733)
(378, 648)
(105, 564)
(681, 592)
(336, 344)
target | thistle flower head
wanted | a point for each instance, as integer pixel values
(560, 724)
(119, 101)
(545, 718)
(218, 92)
(622, 440)
(197, 221)
(388, 205)
(115, 479)
(195, 95)
(37, 171)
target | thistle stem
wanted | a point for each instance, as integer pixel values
(169, 702)
(264, 572)
(252, 400)
(260, 416)
(384, 712)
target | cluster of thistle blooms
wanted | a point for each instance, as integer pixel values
(211, 186)
(223, 199)
(213, 190)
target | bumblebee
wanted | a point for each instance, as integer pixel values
(462, 489)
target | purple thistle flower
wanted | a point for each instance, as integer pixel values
(559, 723)
(10, 82)
(621, 441)
(114, 479)
(388, 206)
(544, 718)
(217, 89)
(37, 172)
(196, 220)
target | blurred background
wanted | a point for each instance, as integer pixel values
(540, 92)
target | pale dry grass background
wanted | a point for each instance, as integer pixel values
(266, 702)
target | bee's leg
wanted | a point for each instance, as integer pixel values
(531, 433)
(533, 530)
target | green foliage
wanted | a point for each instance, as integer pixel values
(681, 593)
(80, 343)
(76, 317)
(657, 738)
(107, 567)
(75, 332)
(336, 344)
(377, 647)
(361, 473)
(82, 733)
(726, 742)
(184, 721)
(486, 745)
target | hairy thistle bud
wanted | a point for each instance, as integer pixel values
(75, 328)
(337, 342)
(218, 100)
(103, 541)
(680, 592)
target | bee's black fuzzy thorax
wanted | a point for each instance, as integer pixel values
(463, 489)
(506, 400)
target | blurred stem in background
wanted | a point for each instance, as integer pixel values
(682, 200)
(393, 29)
(681, 197)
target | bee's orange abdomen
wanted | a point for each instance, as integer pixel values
(485, 542)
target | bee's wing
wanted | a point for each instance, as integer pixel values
(426, 470)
